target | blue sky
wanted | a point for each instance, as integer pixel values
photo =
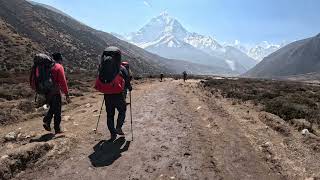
(250, 21)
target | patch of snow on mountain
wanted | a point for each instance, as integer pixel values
(263, 50)
(202, 42)
(231, 64)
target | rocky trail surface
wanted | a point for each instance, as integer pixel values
(180, 132)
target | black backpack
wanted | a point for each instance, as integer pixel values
(110, 65)
(41, 78)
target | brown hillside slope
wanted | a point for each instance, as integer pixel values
(51, 31)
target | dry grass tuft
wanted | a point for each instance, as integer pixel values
(286, 99)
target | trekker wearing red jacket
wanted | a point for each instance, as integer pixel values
(112, 81)
(54, 97)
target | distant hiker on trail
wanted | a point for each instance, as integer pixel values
(112, 80)
(184, 76)
(48, 79)
(161, 76)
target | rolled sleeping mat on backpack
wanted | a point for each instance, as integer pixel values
(43, 59)
(113, 52)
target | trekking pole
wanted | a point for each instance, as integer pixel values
(99, 117)
(35, 97)
(131, 115)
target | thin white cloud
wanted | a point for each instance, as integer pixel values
(147, 3)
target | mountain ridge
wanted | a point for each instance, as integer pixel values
(189, 46)
(299, 57)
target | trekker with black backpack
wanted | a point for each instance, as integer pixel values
(161, 77)
(185, 76)
(112, 80)
(48, 79)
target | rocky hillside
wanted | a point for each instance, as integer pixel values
(27, 29)
(15, 50)
(300, 57)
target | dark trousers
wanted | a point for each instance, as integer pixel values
(113, 102)
(55, 111)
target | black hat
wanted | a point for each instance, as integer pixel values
(57, 56)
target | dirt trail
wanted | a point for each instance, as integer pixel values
(176, 136)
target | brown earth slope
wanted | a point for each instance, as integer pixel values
(14, 48)
(80, 44)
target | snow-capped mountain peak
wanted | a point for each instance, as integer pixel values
(202, 42)
(159, 27)
(237, 44)
(263, 49)
(266, 45)
(164, 16)
(166, 36)
(165, 26)
(167, 40)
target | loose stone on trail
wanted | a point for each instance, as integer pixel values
(12, 136)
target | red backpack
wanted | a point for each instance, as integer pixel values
(116, 86)
(110, 79)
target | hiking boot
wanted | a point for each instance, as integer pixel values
(119, 132)
(46, 126)
(58, 131)
(112, 137)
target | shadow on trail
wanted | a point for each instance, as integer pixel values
(46, 138)
(43, 138)
(107, 152)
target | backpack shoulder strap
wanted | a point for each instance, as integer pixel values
(123, 72)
